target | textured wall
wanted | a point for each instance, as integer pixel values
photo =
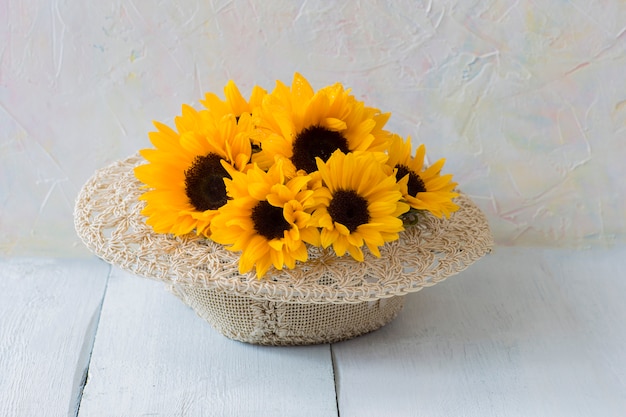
(527, 100)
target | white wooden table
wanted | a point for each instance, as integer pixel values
(524, 332)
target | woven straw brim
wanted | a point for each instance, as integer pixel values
(108, 220)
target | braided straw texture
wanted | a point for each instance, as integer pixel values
(108, 220)
(265, 322)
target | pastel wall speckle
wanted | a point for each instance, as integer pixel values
(525, 100)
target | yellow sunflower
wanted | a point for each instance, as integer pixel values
(267, 218)
(235, 103)
(299, 125)
(184, 176)
(358, 204)
(424, 188)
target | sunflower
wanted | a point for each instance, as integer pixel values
(300, 125)
(424, 188)
(235, 103)
(267, 218)
(184, 176)
(358, 204)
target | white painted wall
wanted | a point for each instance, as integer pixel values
(526, 100)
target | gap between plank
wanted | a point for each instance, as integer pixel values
(335, 377)
(87, 349)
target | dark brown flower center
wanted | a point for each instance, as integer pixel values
(349, 209)
(316, 141)
(415, 185)
(204, 183)
(269, 221)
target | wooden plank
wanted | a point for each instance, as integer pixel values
(523, 332)
(49, 311)
(154, 356)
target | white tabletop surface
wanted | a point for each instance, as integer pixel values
(523, 332)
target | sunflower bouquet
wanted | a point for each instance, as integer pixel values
(305, 190)
(284, 171)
